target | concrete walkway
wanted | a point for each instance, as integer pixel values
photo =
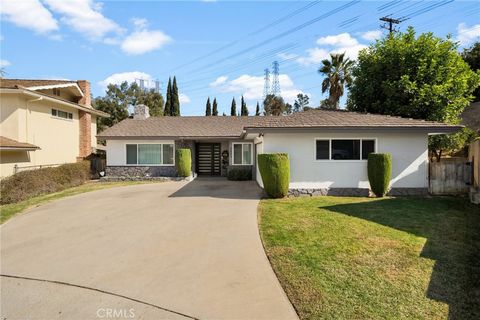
(172, 250)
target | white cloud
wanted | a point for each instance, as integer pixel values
(30, 14)
(140, 23)
(314, 56)
(183, 98)
(85, 17)
(118, 78)
(340, 43)
(4, 63)
(467, 35)
(219, 81)
(143, 41)
(372, 35)
(251, 87)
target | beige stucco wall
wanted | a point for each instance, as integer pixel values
(32, 122)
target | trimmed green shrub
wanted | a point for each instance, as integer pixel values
(379, 172)
(32, 183)
(275, 171)
(184, 162)
(239, 174)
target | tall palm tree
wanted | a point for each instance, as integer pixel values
(337, 72)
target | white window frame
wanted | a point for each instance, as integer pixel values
(60, 118)
(149, 165)
(233, 154)
(329, 139)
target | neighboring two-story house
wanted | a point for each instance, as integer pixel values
(45, 122)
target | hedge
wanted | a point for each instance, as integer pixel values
(239, 174)
(184, 162)
(32, 183)
(275, 171)
(379, 172)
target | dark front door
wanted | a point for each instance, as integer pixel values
(208, 159)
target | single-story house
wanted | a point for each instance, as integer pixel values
(328, 149)
(45, 123)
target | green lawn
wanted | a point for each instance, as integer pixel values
(390, 258)
(9, 210)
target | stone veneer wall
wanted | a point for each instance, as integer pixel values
(354, 192)
(140, 171)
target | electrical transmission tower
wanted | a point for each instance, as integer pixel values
(390, 22)
(275, 81)
(266, 87)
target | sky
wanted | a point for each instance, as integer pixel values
(214, 48)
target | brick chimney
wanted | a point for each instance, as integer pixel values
(85, 119)
(86, 100)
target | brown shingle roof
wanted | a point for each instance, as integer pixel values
(323, 118)
(26, 83)
(181, 127)
(184, 127)
(13, 144)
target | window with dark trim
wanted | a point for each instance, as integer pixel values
(323, 149)
(343, 149)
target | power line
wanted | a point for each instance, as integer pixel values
(390, 22)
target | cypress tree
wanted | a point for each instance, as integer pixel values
(233, 109)
(208, 108)
(244, 110)
(175, 100)
(257, 111)
(167, 111)
(215, 107)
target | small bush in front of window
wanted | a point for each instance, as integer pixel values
(239, 174)
(275, 171)
(32, 183)
(379, 172)
(184, 162)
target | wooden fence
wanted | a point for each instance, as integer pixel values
(450, 176)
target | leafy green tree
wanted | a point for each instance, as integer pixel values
(175, 99)
(472, 57)
(337, 72)
(208, 108)
(420, 77)
(153, 100)
(257, 110)
(274, 105)
(215, 107)
(118, 98)
(168, 104)
(301, 102)
(233, 108)
(244, 110)
(439, 144)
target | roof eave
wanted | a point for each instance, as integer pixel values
(426, 129)
(36, 94)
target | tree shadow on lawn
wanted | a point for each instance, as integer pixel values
(452, 229)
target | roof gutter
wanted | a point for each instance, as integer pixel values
(431, 130)
(48, 98)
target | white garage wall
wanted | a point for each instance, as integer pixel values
(408, 150)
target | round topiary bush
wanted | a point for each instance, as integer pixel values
(379, 172)
(275, 171)
(184, 162)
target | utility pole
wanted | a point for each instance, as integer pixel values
(390, 22)
(266, 87)
(276, 81)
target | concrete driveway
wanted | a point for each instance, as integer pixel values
(172, 250)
